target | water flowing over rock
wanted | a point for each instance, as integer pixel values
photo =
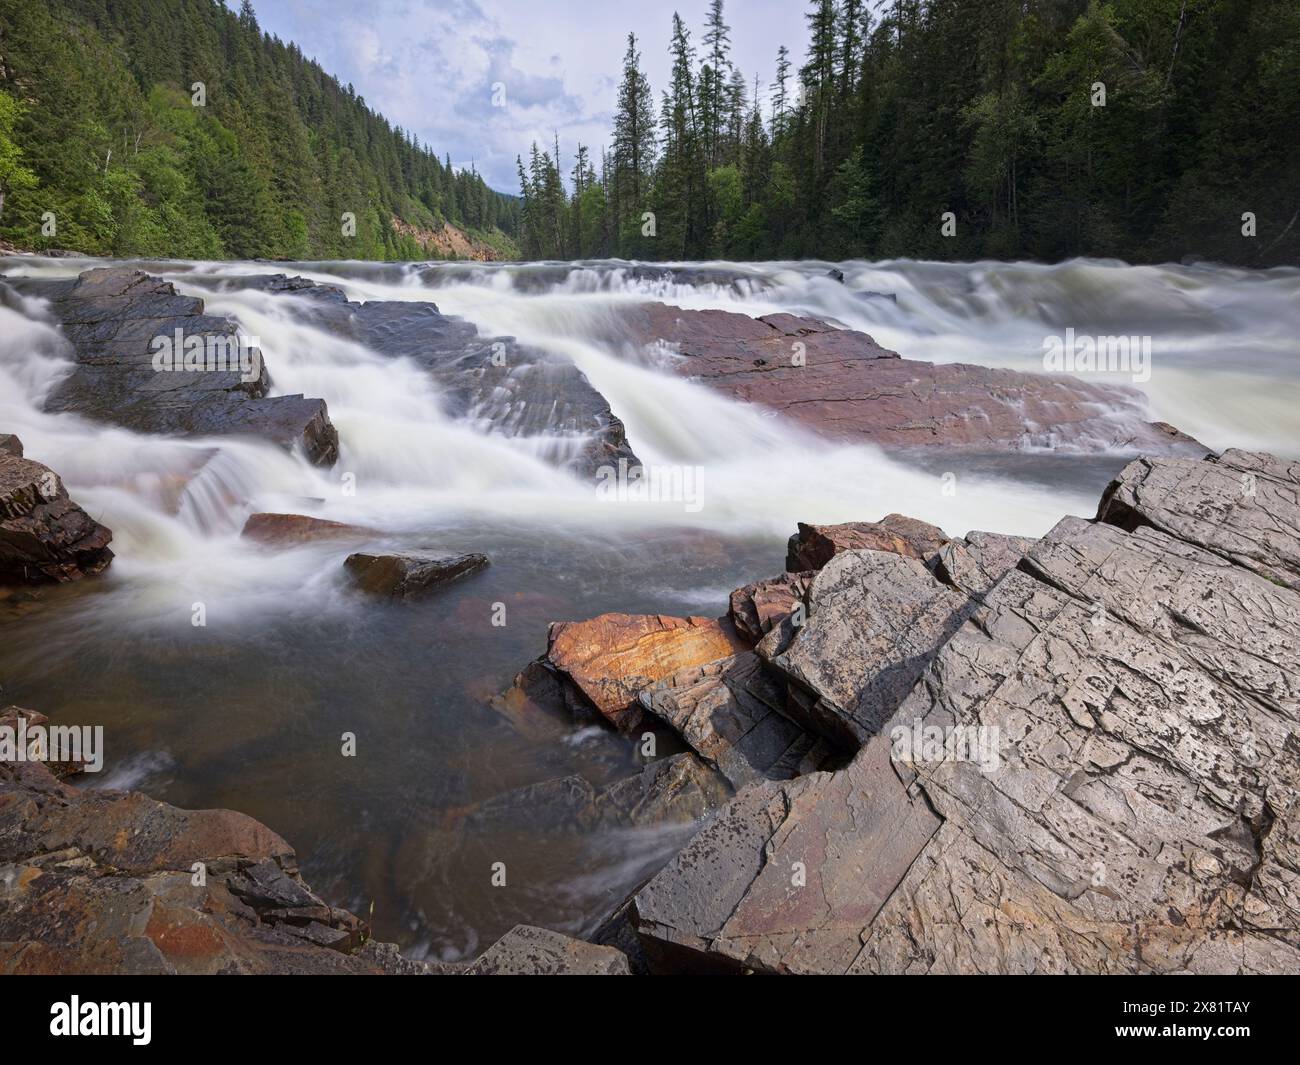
(111, 316)
(1099, 770)
(842, 384)
(284, 529)
(519, 390)
(44, 535)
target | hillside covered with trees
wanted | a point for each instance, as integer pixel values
(1149, 130)
(178, 128)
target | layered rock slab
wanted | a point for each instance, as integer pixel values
(529, 951)
(1140, 815)
(111, 316)
(814, 545)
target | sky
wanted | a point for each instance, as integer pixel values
(429, 66)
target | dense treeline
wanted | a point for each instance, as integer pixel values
(105, 135)
(1148, 130)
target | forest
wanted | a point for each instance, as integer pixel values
(178, 128)
(1145, 130)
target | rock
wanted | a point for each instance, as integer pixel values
(108, 882)
(520, 391)
(756, 607)
(528, 951)
(44, 535)
(815, 545)
(11, 445)
(405, 576)
(611, 658)
(843, 385)
(729, 712)
(1241, 505)
(875, 621)
(282, 529)
(111, 316)
(835, 274)
(1124, 796)
(977, 563)
(24, 728)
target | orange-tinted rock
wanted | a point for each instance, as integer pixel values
(815, 545)
(614, 657)
(281, 529)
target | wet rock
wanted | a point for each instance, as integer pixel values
(111, 316)
(518, 390)
(116, 883)
(405, 576)
(11, 445)
(1123, 796)
(1241, 505)
(975, 564)
(835, 274)
(730, 712)
(529, 951)
(44, 535)
(815, 545)
(757, 607)
(845, 386)
(612, 658)
(875, 621)
(284, 529)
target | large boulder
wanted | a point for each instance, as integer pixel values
(1099, 772)
(11, 445)
(406, 576)
(610, 659)
(44, 535)
(112, 315)
(845, 386)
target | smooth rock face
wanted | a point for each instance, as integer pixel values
(44, 535)
(815, 545)
(529, 951)
(405, 576)
(977, 563)
(610, 659)
(756, 608)
(103, 882)
(112, 314)
(1124, 796)
(282, 529)
(1241, 505)
(842, 384)
(520, 391)
(730, 712)
(875, 620)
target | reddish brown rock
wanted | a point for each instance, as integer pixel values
(612, 658)
(284, 529)
(44, 535)
(815, 545)
(844, 385)
(756, 608)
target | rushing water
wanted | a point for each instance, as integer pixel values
(248, 711)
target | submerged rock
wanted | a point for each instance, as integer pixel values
(44, 535)
(112, 315)
(282, 529)
(405, 576)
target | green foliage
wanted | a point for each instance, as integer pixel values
(904, 110)
(109, 141)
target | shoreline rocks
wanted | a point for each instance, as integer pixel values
(44, 535)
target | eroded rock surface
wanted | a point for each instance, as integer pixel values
(529, 951)
(1123, 794)
(44, 535)
(111, 315)
(976, 563)
(815, 545)
(844, 385)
